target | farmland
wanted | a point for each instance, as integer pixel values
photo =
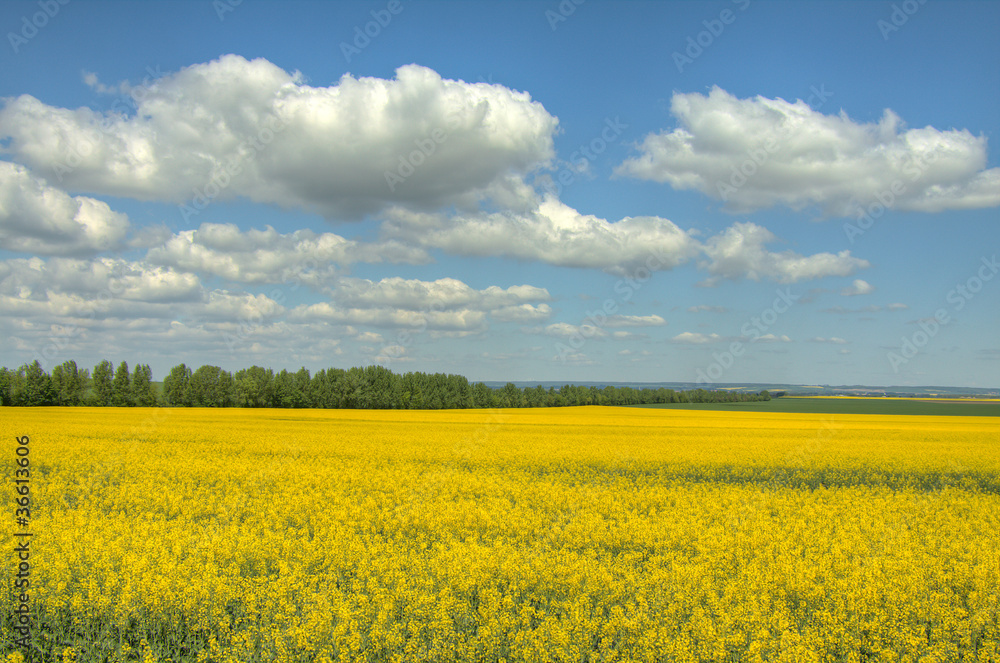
(566, 534)
(980, 407)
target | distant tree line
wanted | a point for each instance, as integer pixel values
(371, 387)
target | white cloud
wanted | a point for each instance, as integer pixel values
(557, 234)
(771, 338)
(111, 304)
(267, 256)
(833, 339)
(871, 308)
(40, 219)
(696, 338)
(97, 282)
(574, 359)
(806, 158)
(63, 308)
(458, 320)
(706, 308)
(446, 293)
(634, 321)
(445, 306)
(523, 313)
(566, 330)
(552, 233)
(391, 353)
(859, 287)
(627, 336)
(226, 305)
(739, 252)
(264, 134)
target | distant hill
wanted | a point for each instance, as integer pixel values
(789, 389)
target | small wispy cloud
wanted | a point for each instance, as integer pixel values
(859, 287)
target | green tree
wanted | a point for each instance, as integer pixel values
(287, 390)
(142, 386)
(16, 386)
(70, 383)
(536, 396)
(210, 386)
(5, 379)
(303, 391)
(102, 379)
(482, 396)
(253, 387)
(121, 387)
(511, 396)
(37, 386)
(59, 379)
(175, 386)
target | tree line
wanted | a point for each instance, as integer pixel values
(370, 387)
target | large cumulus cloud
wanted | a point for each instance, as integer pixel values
(793, 155)
(236, 127)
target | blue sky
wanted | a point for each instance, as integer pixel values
(750, 191)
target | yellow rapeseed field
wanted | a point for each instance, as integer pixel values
(572, 534)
